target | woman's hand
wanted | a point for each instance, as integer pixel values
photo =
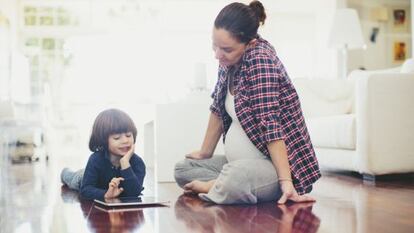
(114, 190)
(124, 161)
(289, 193)
(198, 155)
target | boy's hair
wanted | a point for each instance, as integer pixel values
(110, 121)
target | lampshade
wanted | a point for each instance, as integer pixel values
(346, 30)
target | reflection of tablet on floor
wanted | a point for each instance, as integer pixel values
(132, 201)
(119, 209)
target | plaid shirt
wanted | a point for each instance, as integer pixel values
(268, 109)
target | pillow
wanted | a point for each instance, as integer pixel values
(324, 97)
(408, 66)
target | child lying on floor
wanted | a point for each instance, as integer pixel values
(113, 170)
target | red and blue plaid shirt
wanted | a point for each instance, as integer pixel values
(268, 109)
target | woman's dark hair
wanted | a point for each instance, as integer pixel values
(241, 20)
(111, 121)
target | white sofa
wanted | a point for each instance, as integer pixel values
(363, 124)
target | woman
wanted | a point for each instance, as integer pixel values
(268, 152)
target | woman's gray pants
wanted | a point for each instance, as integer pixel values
(241, 181)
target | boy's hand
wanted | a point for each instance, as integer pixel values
(113, 188)
(124, 161)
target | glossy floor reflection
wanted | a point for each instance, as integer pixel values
(190, 214)
(33, 200)
(100, 219)
(266, 217)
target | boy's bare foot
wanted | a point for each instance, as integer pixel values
(197, 186)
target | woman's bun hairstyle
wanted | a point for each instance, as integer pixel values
(241, 20)
(259, 10)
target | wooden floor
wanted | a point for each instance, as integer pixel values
(33, 200)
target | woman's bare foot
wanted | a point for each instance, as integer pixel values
(197, 186)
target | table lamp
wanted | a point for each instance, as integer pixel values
(346, 34)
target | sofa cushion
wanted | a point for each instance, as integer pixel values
(408, 66)
(324, 97)
(333, 131)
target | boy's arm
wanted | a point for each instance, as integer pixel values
(133, 177)
(89, 186)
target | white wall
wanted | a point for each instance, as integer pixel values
(8, 45)
(299, 31)
(5, 48)
(412, 27)
(379, 55)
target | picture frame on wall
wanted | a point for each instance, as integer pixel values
(398, 38)
(400, 19)
(399, 51)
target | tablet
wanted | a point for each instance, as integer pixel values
(119, 209)
(132, 201)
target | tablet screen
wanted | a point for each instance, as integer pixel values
(131, 201)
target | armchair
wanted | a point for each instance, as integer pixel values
(363, 124)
